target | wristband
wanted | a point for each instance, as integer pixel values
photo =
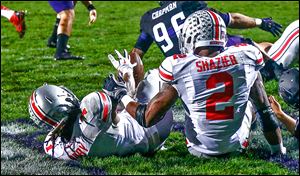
(126, 99)
(258, 21)
(91, 7)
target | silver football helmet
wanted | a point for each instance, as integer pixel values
(202, 28)
(288, 87)
(49, 104)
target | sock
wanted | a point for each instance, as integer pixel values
(62, 40)
(7, 13)
(53, 36)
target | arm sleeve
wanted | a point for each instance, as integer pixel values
(143, 42)
(66, 150)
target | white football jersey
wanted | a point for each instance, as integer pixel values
(94, 134)
(214, 92)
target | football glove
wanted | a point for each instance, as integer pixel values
(271, 26)
(271, 70)
(93, 16)
(114, 88)
(125, 69)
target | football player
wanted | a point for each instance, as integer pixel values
(217, 85)
(91, 127)
(63, 27)
(162, 25)
(289, 91)
(17, 18)
(282, 53)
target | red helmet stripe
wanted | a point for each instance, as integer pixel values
(39, 113)
(105, 106)
(217, 24)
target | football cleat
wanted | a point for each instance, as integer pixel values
(18, 21)
(67, 56)
(52, 44)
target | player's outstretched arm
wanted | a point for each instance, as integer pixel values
(267, 117)
(287, 120)
(149, 114)
(92, 11)
(241, 21)
(136, 56)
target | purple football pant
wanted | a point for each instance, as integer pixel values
(59, 6)
(234, 40)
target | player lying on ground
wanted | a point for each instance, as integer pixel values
(162, 25)
(17, 18)
(282, 53)
(217, 86)
(289, 91)
(91, 127)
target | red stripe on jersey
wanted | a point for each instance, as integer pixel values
(186, 141)
(49, 147)
(105, 106)
(259, 61)
(217, 25)
(165, 75)
(39, 114)
(176, 56)
(294, 35)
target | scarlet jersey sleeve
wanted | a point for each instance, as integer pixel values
(166, 70)
(63, 150)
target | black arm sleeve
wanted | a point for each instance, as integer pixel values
(140, 114)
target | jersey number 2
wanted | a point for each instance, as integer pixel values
(220, 97)
(164, 33)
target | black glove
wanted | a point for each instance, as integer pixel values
(271, 26)
(114, 88)
(271, 70)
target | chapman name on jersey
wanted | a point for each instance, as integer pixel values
(167, 9)
(215, 94)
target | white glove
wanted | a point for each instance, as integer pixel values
(125, 68)
(93, 16)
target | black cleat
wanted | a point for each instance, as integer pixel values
(51, 44)
(67, 56)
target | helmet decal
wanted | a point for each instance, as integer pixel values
(39, 113)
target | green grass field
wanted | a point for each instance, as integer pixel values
(27, 63)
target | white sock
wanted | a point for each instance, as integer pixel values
(7, 13)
